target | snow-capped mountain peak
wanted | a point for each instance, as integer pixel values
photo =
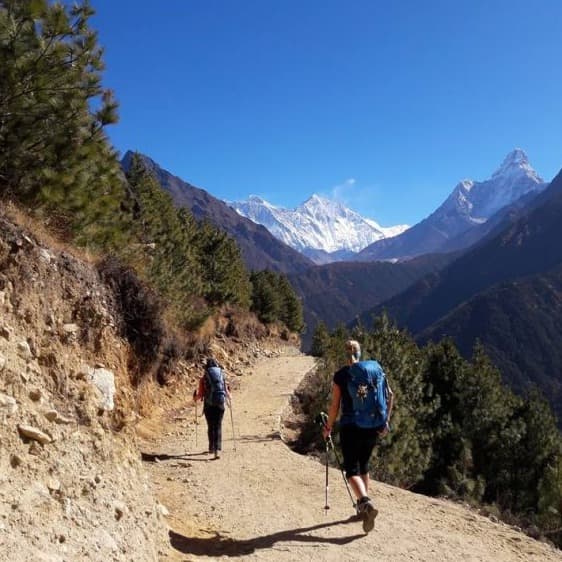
(516, 163)
(318, 223)
(474, 202)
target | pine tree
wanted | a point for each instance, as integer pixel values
(54, 154)
(320, 340)
(226, 280)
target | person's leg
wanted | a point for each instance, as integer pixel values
(365, 478)
(357, 485)
(210, 433)
(218, 434)
(366, 442)
(349, 448)
(367, 439)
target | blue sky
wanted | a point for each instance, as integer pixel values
(384, 104)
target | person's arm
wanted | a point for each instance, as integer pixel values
(333, 410)
(199, 394)
(389, 402)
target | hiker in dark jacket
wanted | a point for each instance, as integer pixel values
(361, 392)
(214, 390)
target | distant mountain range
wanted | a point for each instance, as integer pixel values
(320, 228)
(461, 220)
(260, 249)
(327, 231)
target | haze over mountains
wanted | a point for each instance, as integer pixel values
(320, 228)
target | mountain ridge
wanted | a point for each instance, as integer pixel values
(470, 204)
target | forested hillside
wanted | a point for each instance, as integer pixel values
(336, 293)
(457, 429)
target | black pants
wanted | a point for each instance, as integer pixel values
(214, 415)
(357, 444)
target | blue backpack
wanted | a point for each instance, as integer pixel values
(367, 387)
(215, 391)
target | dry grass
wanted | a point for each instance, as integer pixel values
(44, 236)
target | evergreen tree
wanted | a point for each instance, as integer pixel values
(163, 249)
(404, 454)
(54, 154)
(291, 313)
(226, 280)
(320, 340)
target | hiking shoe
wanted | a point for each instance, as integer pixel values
(217, 455)
(369, 513)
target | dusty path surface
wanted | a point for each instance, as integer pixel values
(264, 502)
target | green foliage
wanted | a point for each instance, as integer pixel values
(225, 277)
(274, 300)
(320, 340)
(456, 429)
(54, 154)
(195, 266)
(403, 456)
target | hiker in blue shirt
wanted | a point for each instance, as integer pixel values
(214, 390)
(361, 391)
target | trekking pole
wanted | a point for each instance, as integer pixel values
(326, 505)
(322, 419)
(232, 422)
(353, 502)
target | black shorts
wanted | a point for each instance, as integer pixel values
(357, 444)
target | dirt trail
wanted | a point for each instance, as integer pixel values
(264, 502)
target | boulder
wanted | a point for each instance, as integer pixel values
(104, 381)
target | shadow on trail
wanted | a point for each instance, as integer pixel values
(220, 545)
(150, 457)
(275, 436)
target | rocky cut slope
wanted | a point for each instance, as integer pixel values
(71, 482)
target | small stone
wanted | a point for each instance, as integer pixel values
(45, 255)
(35, 449)
(64, 420)
(8, 405)
(35, 394)
(162, 509)
(24, 350)
(6, 332)
(2, 362)
(71, 329)
(51, 415)
(34, 434)
(120, 509)
(97, 478)
(15, 461)
(53, 485)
